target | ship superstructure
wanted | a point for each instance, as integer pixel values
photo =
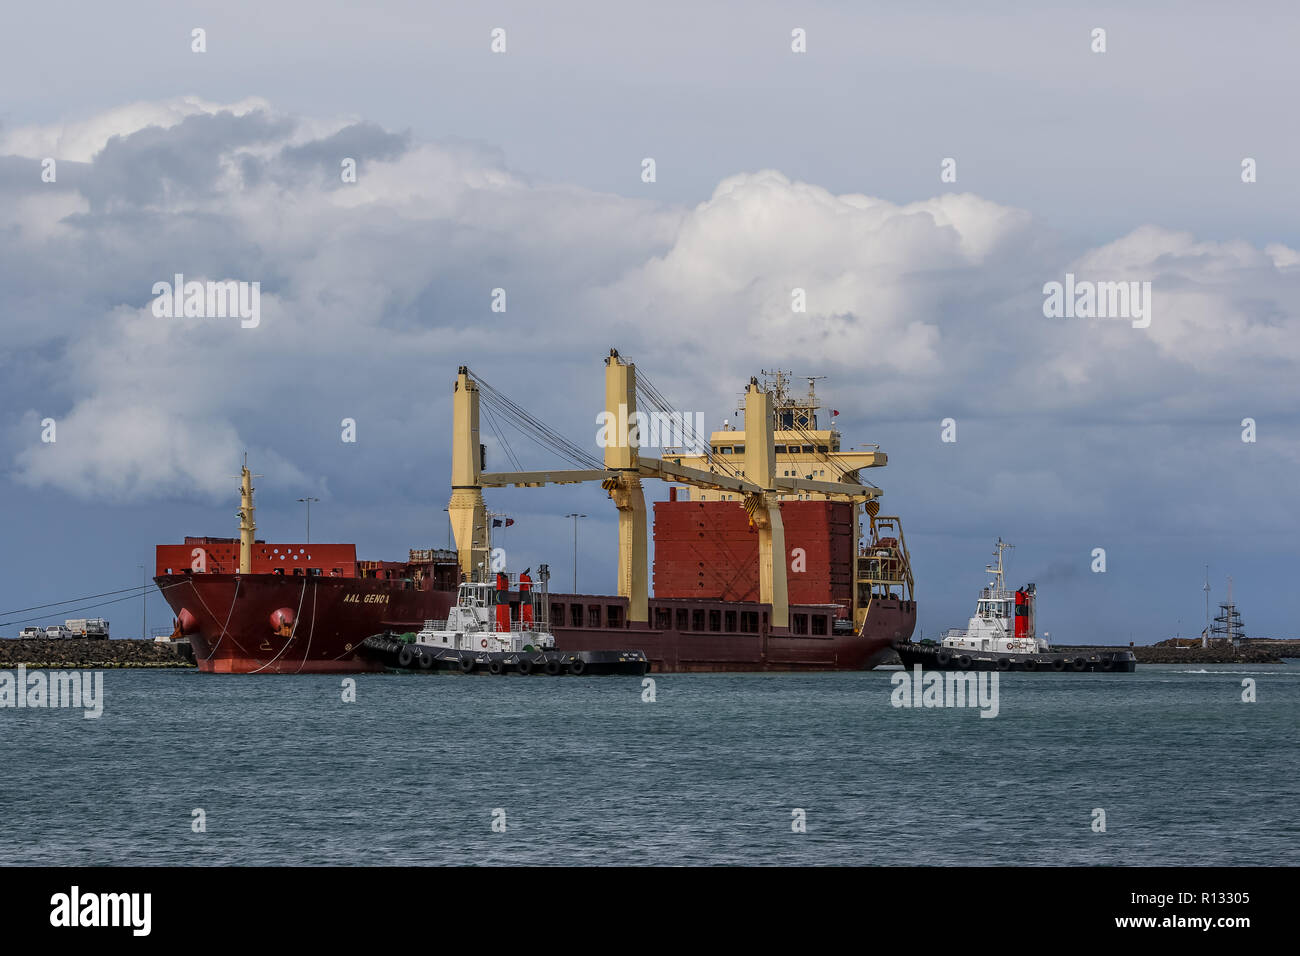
(1004, 620)
(485, 618)
(843, 552)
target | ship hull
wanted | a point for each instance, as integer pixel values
(683, 651)
(934, 657)
(232, 632)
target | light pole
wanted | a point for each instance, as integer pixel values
(575, 518)
(144, 603)
(307, 502)
(1205, 634)
(448, 510)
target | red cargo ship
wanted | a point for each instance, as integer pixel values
(252, 607)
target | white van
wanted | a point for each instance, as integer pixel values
(58, 632)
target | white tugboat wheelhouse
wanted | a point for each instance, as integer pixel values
(508, 614)
(1004, 619)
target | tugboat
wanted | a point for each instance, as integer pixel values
(992, 642)
(496, 628)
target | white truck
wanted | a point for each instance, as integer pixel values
(87, 627)
(31, 633)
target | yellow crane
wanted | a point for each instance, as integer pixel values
(757, 486)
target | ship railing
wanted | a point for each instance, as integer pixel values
(490, 627)
(996, 594)
(488, 580)
(883, 569)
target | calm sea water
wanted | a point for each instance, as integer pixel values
(411, 773)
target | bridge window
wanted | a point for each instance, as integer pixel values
(799, 624)
(557, 613)
(663, 619)
(697, 620)
(715, 620)
(682, 619)
(749, 622)
(575, 615)
(614, 615)
(819, 623)
(593, 615)
(730, 622)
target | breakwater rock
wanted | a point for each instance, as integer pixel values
(1214, 654)
(93, 654)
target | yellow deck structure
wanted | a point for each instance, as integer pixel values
(780, 455)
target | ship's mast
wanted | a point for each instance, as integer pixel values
(997, 572)
(247, 524)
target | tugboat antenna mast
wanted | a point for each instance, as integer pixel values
(999, 582)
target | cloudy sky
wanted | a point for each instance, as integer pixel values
(774, 170)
